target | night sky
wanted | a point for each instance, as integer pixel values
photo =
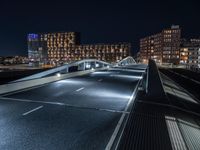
(99, 21)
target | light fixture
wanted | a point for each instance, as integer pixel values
(88, 66)
(97, 65)
(58, 74)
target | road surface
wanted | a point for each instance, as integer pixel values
(76, 113)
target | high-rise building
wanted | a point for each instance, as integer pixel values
(106, 52)
(163, 47)
(147, 49)
(184, 54)
(194, 57)
(60, 47)
(51, 48)
(184, 51)
(190, 53)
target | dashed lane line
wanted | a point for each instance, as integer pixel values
(35, 109)
(100, 80)
(64, 104)
(79, 89)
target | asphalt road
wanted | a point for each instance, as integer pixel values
(76, 113)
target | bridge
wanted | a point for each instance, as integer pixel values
(91, 104)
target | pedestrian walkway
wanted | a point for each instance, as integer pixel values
(169, 120)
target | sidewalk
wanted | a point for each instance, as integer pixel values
(168, 122)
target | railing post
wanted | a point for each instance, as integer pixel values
(84, 66)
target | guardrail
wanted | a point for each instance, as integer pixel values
(154, 87)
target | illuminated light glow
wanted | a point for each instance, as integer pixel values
(104, 94)
(87, 66)
(71, 82)
(97, 65)
(32, 36)
(58, 74)
(100, 73)
(92, 69)
(127, 76)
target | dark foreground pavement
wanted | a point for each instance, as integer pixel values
(76, 113)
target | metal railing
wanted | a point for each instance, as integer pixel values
(81, 65)
(126, 61)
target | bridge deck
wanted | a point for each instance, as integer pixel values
(76, 113)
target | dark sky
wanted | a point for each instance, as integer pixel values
(99, 21)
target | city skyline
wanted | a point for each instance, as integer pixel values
(99, 21)
(60, 47)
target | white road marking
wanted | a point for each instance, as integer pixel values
(26, 113)
(62, 104)
(117, 128)
(100, 80)
(30, 101)
(79, 89)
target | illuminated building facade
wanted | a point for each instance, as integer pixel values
(33, 48)
(184, 54)
(147, 49)
(58, 48)
(163, 47)
(194, 57)
(193, 47)
(184, 51)
(51, 48)
(106, 52)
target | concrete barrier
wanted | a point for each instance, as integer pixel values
(11, 87)
(154, 87)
